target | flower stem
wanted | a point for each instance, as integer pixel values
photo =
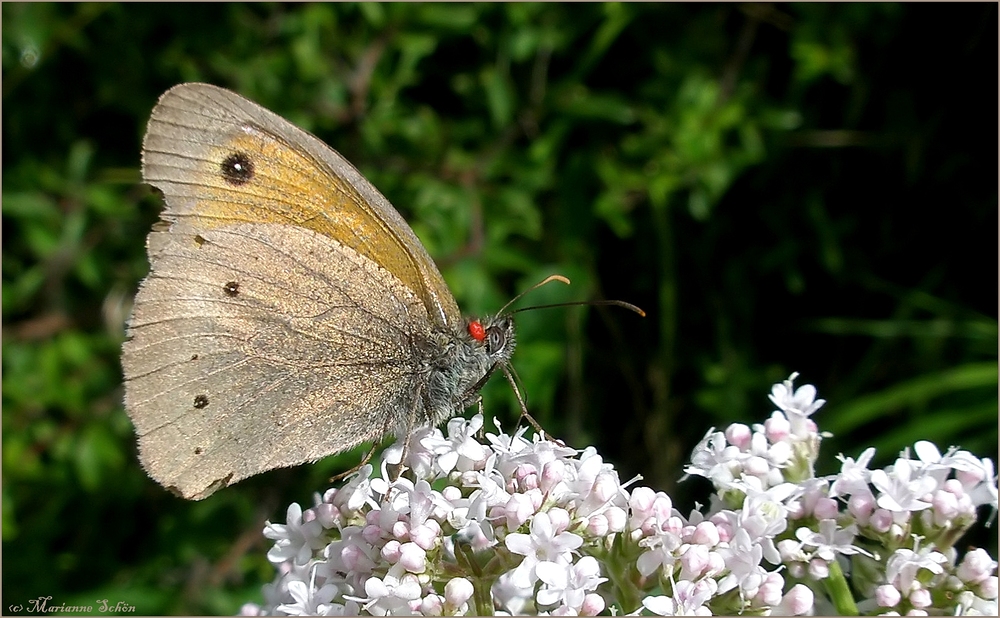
(840, 593)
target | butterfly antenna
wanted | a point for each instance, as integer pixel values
(548, 279)
(613, 303)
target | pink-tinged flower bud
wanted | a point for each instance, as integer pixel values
(641, 502)
(457, 591)
(617, 519)
(988, 588)
(716, 564)
(553, 473)
(969, 478)
(372, 534)
(597, 525)
(536, 497)
(496, 512)
(559, 518)
(593, 604)
(945, 506)
(826, 508)
(372, 517)
(777, 428)
(517, 510)
(881, 520)
(413, 557)
(920, 598)
(798, 601)
(423, 536)
(887, 595)
(526, 476)
(693, 561)
(706, 533)
(797, 570)
(433, 526)
(391, 551)
(451, 493)
(605, 487)
(673, 525)
(976, 566)
(780, 453)
(770, 590)
(819, 569)
(352, 556)
(649, 527)
(401, 530)
(662, 506)
(954, 486)
(861, 506)
(738, 435)
(431, 605)
(756, 466)
(328, 515)
(790, 550)
(723, 526)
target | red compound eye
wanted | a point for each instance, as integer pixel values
(477, 331)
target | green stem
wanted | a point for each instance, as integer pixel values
(480, 585)
(840, 593)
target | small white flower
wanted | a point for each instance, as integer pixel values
(903, 565)
(294, 540)
(742, 557)
(901, 490)
(568, 583)
(715, 459)
(830, 540)
(854, 475)
(307, 601)
(689, 599)
(391, 595)
(541, 544)
(797, 404)
(460, 449)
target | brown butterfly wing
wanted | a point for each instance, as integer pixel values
(296, 179)
(256, 346)
(288, 307)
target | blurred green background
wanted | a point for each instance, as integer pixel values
(782, 188)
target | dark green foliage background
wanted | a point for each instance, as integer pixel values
(783, 188)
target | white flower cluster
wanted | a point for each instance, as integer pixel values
(511, 526)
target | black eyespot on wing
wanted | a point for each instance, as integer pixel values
(231, 288)
(201, 401)
(237, 169)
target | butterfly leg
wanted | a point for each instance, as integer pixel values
(524, 408)
(364, 460)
